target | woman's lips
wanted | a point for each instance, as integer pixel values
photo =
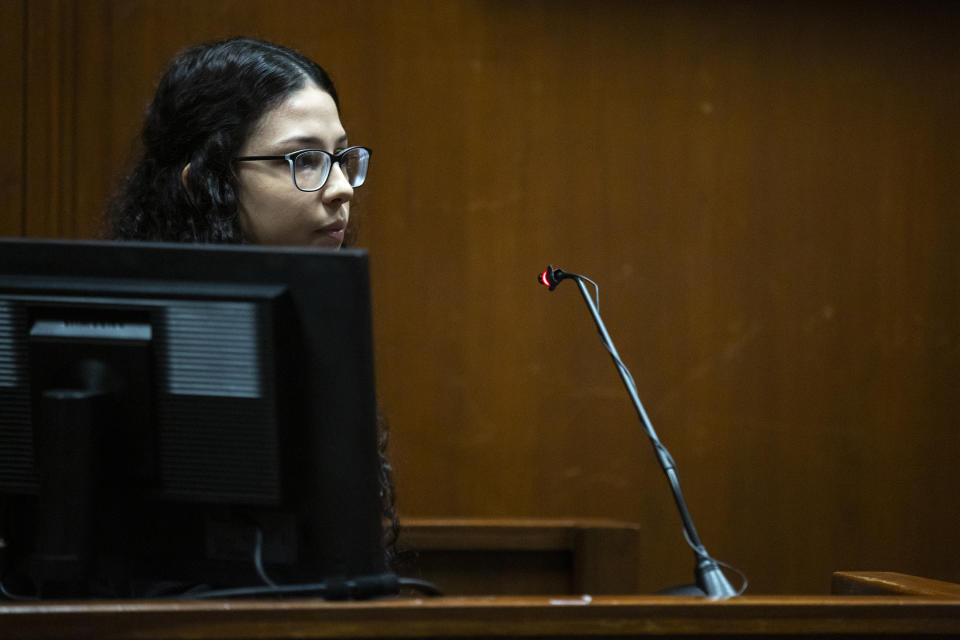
(335, 230)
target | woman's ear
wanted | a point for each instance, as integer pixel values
(186, 187)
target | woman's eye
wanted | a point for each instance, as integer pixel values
(308, 161)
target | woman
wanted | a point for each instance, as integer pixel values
(243, 144)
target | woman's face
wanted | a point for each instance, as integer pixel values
(272, 210)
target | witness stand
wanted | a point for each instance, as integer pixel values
(863, 604)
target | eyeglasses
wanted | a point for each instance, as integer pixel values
(310, 168)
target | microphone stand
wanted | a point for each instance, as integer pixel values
(709, 578)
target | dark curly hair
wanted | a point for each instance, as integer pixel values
(202, 113)
(204, 109)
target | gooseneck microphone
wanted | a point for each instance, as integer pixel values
(551, 277)
(709, 577)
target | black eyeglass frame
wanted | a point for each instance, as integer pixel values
(291, 158)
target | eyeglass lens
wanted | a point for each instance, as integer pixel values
(312, 168)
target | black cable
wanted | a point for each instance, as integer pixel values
(16, 597)
(743, 577)
(318, 588)
(335, 589)
(361, 587)
(425, 587)
(343, 589)
(258, 560)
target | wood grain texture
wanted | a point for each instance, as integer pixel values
(766, 193)
(51, 101)
(12, 16)
(516, 617)
(886, 583)
(522, 556)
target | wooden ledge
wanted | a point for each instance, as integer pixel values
(877, 583)
(491, 617)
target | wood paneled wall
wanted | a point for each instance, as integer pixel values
(12, 118)
(767, 194)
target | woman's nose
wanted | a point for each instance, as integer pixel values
(337, 190)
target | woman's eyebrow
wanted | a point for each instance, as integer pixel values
(312, 141)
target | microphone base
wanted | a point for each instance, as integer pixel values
(711, 581)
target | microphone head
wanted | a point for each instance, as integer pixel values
(551, 277)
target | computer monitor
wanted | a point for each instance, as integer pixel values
(174, 415)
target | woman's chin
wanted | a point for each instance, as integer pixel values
(327, 240)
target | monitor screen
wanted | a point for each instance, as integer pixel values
(181, 417)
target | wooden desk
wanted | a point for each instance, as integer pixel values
(492, 617)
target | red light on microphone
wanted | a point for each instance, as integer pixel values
(545, 278)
